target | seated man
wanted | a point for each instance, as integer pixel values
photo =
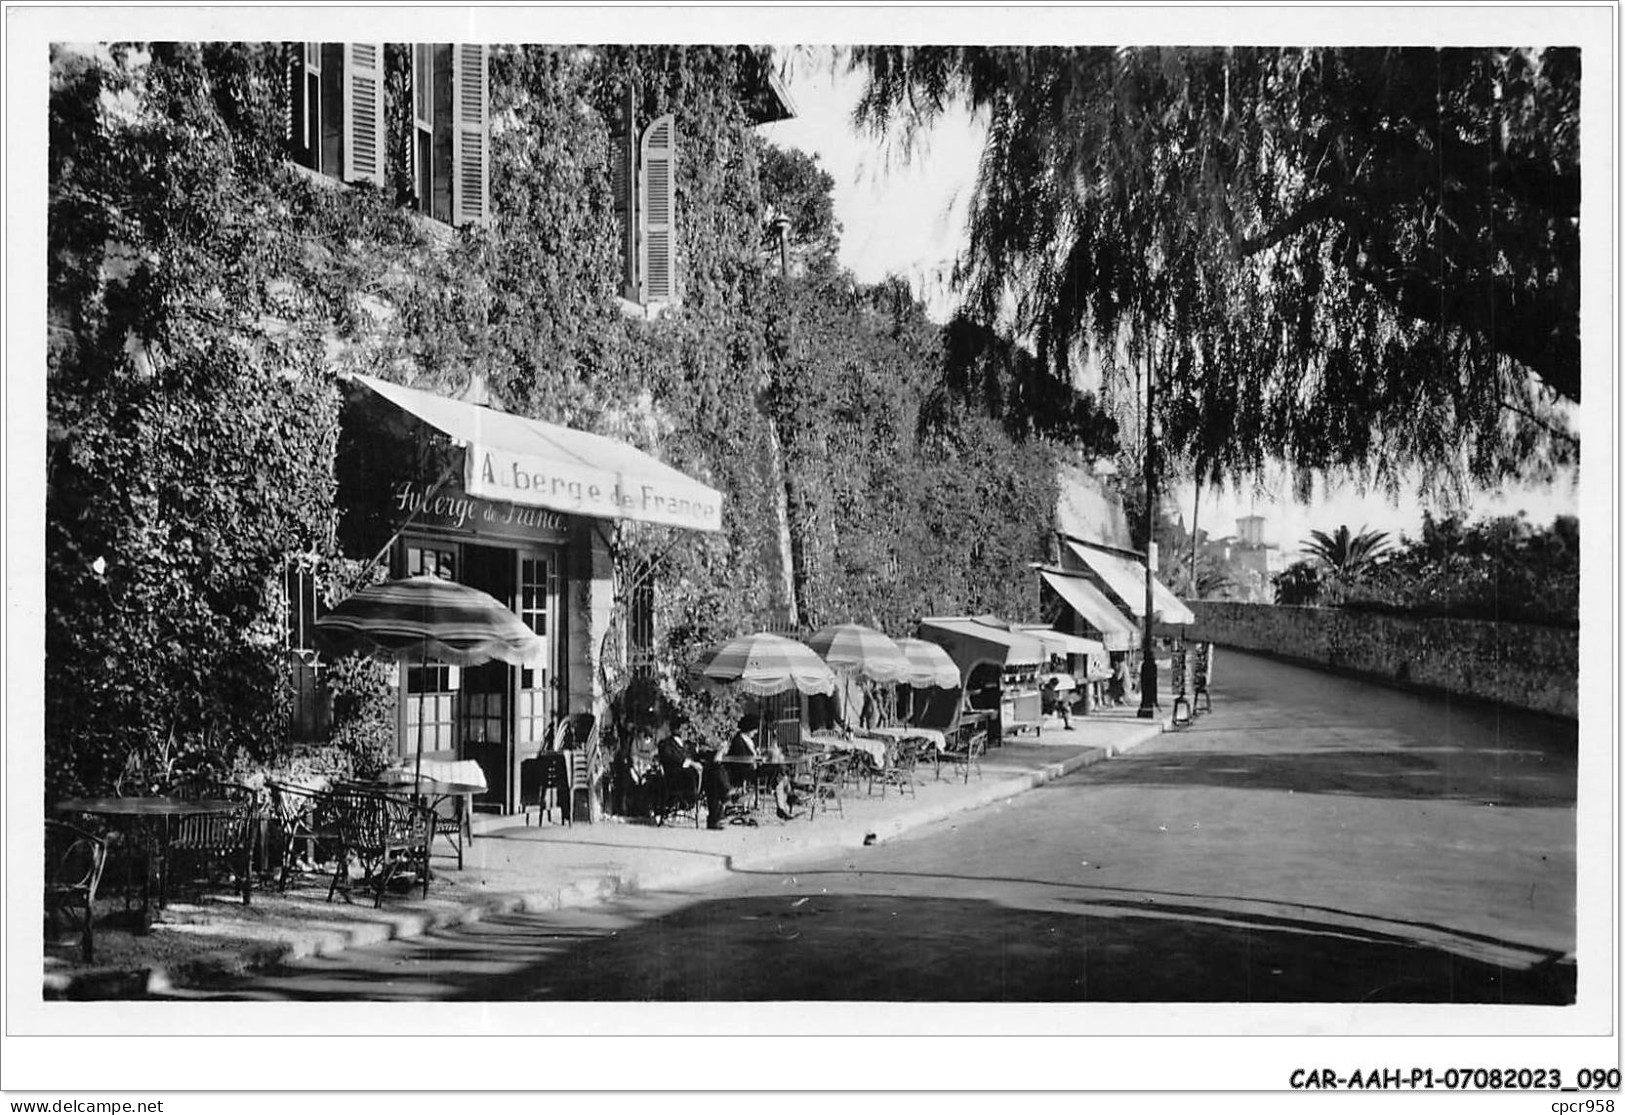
(715, 780)
(680, 773)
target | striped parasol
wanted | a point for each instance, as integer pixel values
(928, 665)
(762, 665)
(863, 650)
(429, 619)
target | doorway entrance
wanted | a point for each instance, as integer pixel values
(494, 714)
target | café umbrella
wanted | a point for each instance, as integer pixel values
(862, 650)
(929, 666)
(763, 665)
(424, 620)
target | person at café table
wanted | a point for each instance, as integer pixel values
(714, 780)
(677, 767)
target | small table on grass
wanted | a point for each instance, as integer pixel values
(151, 815)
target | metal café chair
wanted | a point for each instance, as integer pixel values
(965, 748)
(74, 860)
(211, 841)
(385, 835)
(304, 820)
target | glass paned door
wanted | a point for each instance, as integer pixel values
(431, 690)
(537, 702)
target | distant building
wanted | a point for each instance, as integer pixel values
(1250, 530)
(1253, 561)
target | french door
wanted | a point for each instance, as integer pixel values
(495, 714)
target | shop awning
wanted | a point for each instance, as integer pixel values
(1125, 576)
(970, 640)
(524, 461)
(1059, 642)
(1117, 631)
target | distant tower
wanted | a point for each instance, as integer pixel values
(1250, 530)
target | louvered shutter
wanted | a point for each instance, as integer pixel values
(657, 248)
(623, 186)
(364, 113)
(471, 136)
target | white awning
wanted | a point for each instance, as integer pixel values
(969, 640)
(1117, 631)
(1125, 577)
(522, 460)
(1059, 642)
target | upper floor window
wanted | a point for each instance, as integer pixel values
(336, 109)
(451, 131)
(337, 115)
(643, 178)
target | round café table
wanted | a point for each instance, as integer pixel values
(151, 815)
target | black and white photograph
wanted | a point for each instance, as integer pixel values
(858, 533)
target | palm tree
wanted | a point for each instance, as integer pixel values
(1347, 558)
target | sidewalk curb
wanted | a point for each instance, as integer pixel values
(407, 923)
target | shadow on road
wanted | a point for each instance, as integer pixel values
(793, 947)
(1399, 773)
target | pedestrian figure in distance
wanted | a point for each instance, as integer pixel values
(1056, 701)
(1118, 690)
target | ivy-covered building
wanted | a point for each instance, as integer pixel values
(322, 313)
(416, 254)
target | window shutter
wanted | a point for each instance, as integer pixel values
(623, 185)
(364, 113)
(471, 136)
(657, 247)
(303, 78)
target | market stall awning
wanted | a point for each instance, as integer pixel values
(525, 461)
(1125, 576)
(1059, 642)
(970, 640)
(1117, 631)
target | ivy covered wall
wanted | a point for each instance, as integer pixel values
(205, 294)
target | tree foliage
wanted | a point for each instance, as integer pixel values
(1497, 568)
(1350, 259)
(1347, 557)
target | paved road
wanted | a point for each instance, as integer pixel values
(1312, 839)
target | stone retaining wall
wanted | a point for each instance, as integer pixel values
(1517, 664)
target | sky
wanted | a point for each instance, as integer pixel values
(909, 219)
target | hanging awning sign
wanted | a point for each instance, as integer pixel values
(525, 461)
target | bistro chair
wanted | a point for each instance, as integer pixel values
(902, 757)
(74, 860)
(305, 823)
(674, 789)
(965, 750)
(208, 843)
(580, 775)
(818, 781)
(544, 782)
(386, 836)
